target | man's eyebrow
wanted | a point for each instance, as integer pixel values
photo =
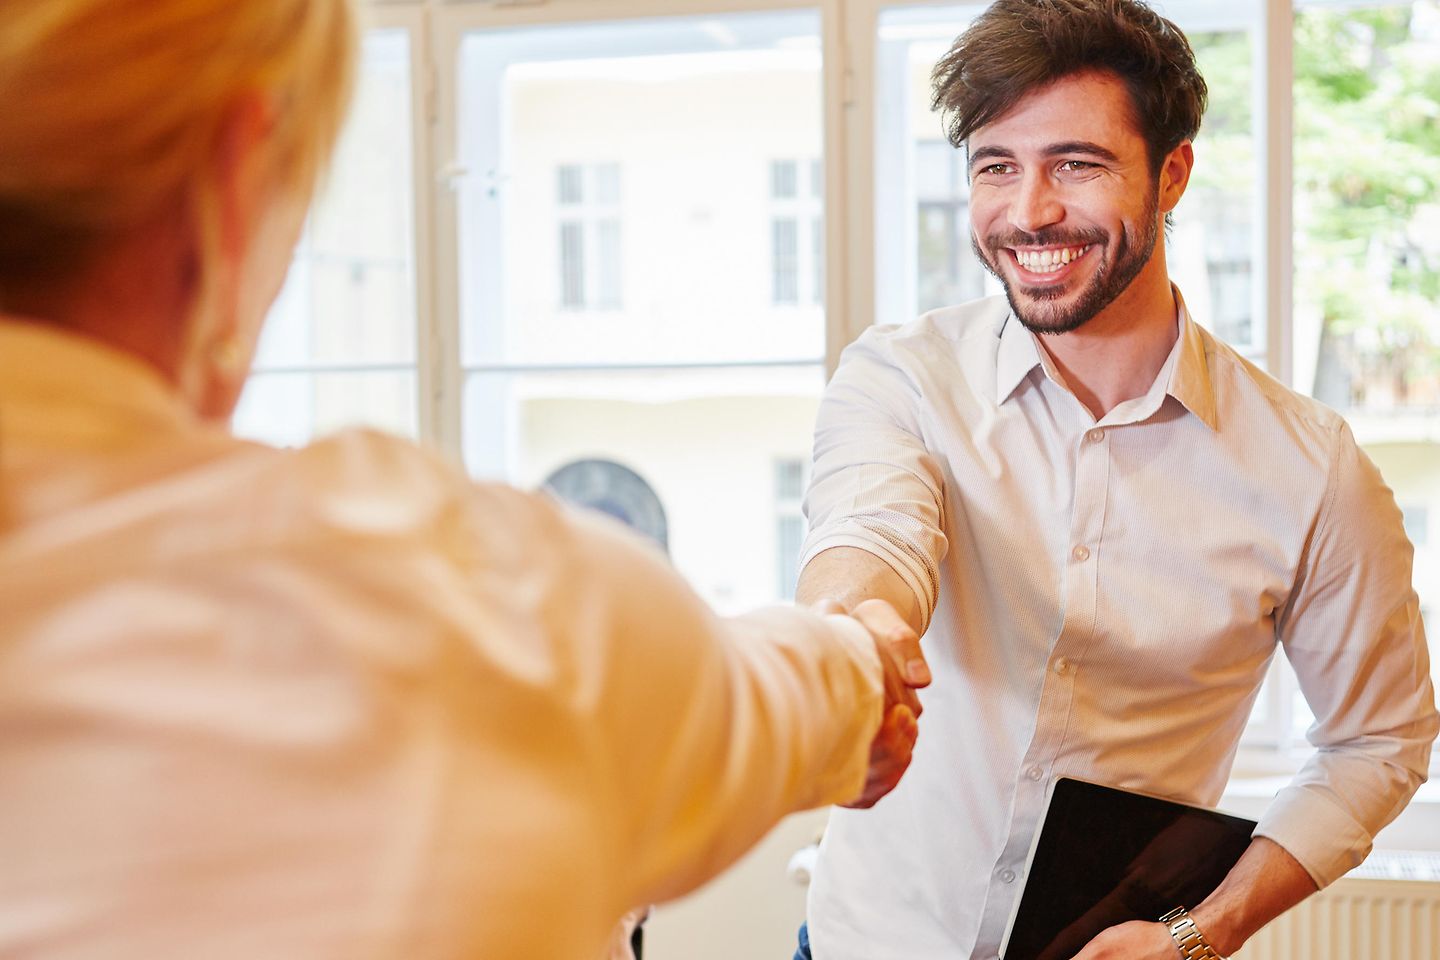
(1087, 147)
(988, 153)
(1081, 146)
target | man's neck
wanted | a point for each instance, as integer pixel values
(1118, 353)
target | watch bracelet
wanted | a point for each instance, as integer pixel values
(1187, 936)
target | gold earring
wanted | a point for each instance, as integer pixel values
(227, 356)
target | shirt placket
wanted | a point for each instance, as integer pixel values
(1079, 576)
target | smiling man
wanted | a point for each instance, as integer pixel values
(1105, 522)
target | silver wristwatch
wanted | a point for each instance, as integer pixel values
(1188, 938)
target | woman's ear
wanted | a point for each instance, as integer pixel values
(232, 203)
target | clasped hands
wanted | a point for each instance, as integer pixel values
(905, 672)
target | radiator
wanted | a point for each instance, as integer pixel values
(1387, 909)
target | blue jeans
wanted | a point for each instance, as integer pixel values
(803, 951)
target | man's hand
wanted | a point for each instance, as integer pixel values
(905, 672)
(1136, 940)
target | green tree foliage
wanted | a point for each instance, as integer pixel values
(1367, 190)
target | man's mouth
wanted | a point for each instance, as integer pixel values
(1048, 261)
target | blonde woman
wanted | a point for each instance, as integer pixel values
(336, 701)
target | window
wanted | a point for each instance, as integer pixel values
(1213, 242)
(709, 363)
(339, 346)
(947, 272)
(789, 524)
(1366, 326)
(797, 232)
(588, 199)
(616, 491)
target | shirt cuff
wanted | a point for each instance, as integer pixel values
(1322, 836)
(910, 570)
(848, 769)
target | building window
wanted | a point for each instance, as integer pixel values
(588, 197)
(616, 491)
(1417, 523)
(789, 524)
(948, 272)
(797, 232)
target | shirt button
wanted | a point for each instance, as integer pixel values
(1007, 876)
(1034, 773)
(1095, 436)
(1081, 553)
(1061, 666)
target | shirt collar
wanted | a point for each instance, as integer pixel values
(1018, 355)
(1190, 381)
(52, 368)
(1187, 370)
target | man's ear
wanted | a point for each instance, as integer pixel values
(1175, 175)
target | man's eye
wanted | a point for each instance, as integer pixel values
(995, 169)
(1076, 165)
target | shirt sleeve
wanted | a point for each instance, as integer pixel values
(703, 731)
(1353, 634)
(875, 485)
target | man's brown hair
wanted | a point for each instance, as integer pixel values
(1019, 46)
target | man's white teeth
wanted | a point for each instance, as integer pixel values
(1048, 261)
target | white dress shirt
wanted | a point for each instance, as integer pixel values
(339, 702)
(1106, 599)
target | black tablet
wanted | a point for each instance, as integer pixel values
(1102, 856)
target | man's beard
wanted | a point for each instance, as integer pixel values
(1110, 279)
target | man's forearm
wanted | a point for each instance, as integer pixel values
(1265, 883)
(851, 576)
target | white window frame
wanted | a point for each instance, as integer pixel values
(848, 31)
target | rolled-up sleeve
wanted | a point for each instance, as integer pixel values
(874, 484)
(1353, 634)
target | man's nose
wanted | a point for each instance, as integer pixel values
(1036, 204)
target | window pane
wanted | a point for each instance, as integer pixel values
(570, 179)
(790, 536)
(291, 409)
(783, 179)
(935, 165)
(789, 480)
(607, 183)
(817, 259)
(1367, 208)
(349, 300)
(1367, 245)
(1213, 242)
(674, 125)
(785, 245)
(608, 240)
(572, 265)
(704, 440)
(350, 294)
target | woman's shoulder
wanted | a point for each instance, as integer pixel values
(366, 481)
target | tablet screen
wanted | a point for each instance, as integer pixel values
(1105, 856)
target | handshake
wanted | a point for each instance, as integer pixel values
(905, 672)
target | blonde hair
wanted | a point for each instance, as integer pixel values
(113, 108)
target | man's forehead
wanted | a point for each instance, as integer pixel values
(1091, 107)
